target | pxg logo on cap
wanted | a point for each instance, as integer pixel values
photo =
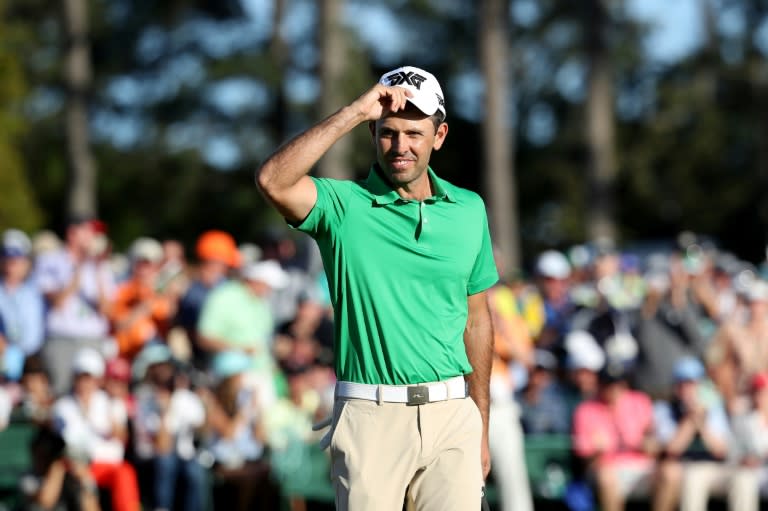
(427, 94)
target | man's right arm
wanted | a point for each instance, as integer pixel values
(283, 177)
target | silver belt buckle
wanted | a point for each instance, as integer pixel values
(417, 395)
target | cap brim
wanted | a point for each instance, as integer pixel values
(424, 105)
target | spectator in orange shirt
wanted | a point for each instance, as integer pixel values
(142, 310)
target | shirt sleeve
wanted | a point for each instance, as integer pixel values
(329, 209)
(50, 273)
(34, 319)
(214, 309)
(484, 273)
(664, 422)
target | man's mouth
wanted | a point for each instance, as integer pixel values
(400, 163)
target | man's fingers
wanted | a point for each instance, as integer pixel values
(396, 97)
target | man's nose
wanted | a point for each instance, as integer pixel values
(399, 142)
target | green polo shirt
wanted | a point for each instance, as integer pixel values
(399, 273)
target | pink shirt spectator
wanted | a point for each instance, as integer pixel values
(613, 433)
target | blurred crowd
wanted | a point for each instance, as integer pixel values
(167, 380)
(157, 380)
(654, 363)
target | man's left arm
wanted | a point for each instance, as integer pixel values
(478, 342)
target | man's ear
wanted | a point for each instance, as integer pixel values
(440, 134)
(372, 129)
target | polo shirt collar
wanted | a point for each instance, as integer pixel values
(384, 194)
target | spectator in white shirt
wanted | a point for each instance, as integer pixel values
(94, 428)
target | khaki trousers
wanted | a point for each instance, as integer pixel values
(381, 451)
(704, 478)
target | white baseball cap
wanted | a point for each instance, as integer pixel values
(553, 264)
(583, 351)
(427, 94)
(88, 361)
(146, 249)
(268, 272)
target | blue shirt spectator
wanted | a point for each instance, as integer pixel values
(543, 407)
(21, 303)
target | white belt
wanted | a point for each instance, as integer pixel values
(423, 393)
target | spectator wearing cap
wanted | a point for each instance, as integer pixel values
(553, 273)
(693, 428)
(217, 255)
(739, 350)
(613, 439)
(237, 437)
(237, 316)
(94, 428)
(21, 303)
(584, 359)
(167, 424)
(542, 405)
(750, 446)
(78, 284)
(142, 309)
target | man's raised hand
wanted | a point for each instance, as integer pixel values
(380, 100)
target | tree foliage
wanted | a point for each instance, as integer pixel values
(190, 95)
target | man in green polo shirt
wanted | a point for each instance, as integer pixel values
(408, 258)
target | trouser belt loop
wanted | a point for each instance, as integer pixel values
(379, 395)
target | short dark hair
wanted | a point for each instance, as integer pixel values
(438, 118)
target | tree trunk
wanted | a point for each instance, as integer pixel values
(279, 53)
(498, 132)
(333, 58)
(601, 138)
(78, 77)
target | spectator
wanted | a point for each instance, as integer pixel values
(739, 351)
(543, 408)
(94, 428)
(166, 426)
(512, 345)
(693, 427)
(21, 303)
(57, 481)
(612, 436)
(308, 337)
(117, 383)
(142, 309)
(36, 393)
(750, 447)
(553, 272)
(237, 316)
(281, 246)
(237, 437)
(584, 359)
(667, 330)
(218, 254)
(78, 284)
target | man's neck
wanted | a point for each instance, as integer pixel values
(418, 190)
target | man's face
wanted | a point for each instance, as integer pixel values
(80, 236)
(404, 143)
